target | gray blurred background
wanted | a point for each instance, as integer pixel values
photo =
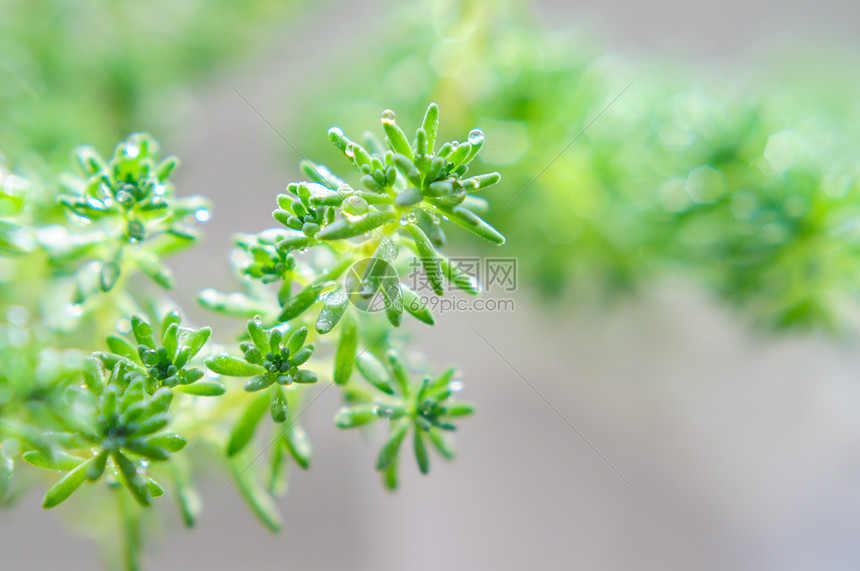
(743, 451)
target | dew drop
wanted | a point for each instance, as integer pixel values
(202, 215)
(476, 137)
(388, 116)
(355, 205)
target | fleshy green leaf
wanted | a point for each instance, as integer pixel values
(258, 336)
(398, 369)
(430, 124)
(374, 372)
(473, 223)
(133, 481)
(189, 500)
(459, 277)
(299, 446)
(413, 303)
(396, 137)
(279, 409)
(360, 224)
(93, 373)
(171, 442)
(202, 388)
(344, 357)
(392, 446)
(278, 474)
(421, 452)
(254, 494)
(60, 460)
(459, 409)
(247, 424)
(352, 416)
(301, 302)
(142, 331)
(225, 364)
(66, 486)
(334, 306)
(195, 340)
(259, 382)
(440, 442)
(428, 257)
(297, 339)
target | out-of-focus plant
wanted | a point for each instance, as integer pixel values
(124, 420)
(96, 71)
(752, 188)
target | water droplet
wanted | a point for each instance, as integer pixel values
(455, 386)
(202, 215)
(124, 198)
(336, 131)
(355, 205)
(131, 151)
(476, 137)
(349, 151)
(388, 116)
(159, 189)
(404, 220)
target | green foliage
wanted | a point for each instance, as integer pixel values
(97, 70)
(122, 415)
(164, 365)
(749, 189)
(130, 212)
(313, 282)
(114, 424)
(427, 408)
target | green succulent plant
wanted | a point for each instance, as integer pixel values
(156, 393)
(427, 408)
